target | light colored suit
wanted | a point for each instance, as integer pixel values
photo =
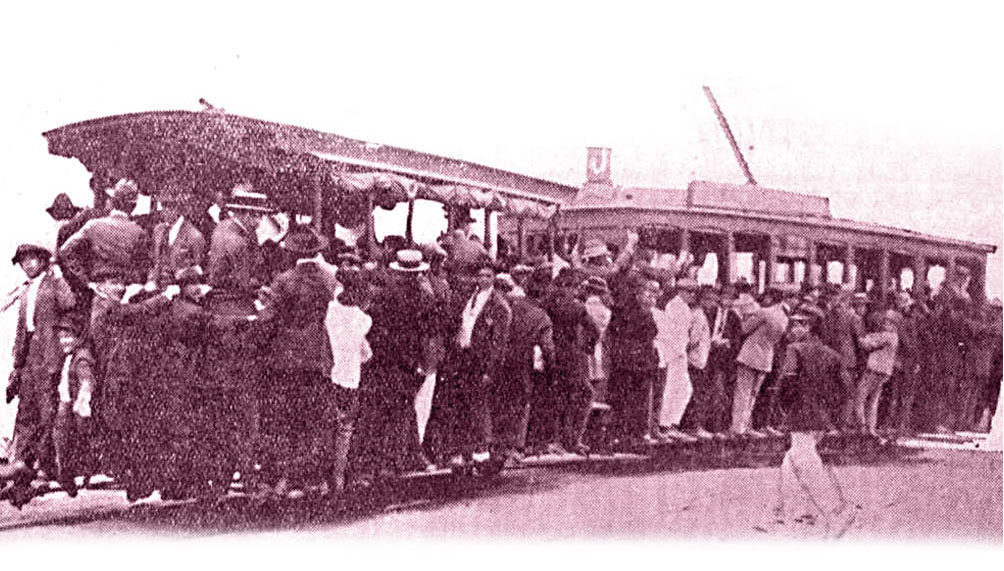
(764, 330)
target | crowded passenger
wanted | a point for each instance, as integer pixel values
(286, 373)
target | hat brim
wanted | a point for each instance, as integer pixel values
(63, 211)
(248, 208)
(399, 268)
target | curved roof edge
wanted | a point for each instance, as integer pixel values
(333, 147)
(839, 223)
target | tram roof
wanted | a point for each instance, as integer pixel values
(748, 202)
(152, 144)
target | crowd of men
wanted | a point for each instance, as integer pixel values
(292, 364)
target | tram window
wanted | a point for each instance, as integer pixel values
(935, 277)
(744, 267)
(835, 272)
(782, 272)
(799, 272)
(906, 278)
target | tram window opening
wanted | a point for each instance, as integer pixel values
(708, 273)
(744, 267)
(835, 272)
(935, 277)
(782, 272)
(799, 271)
(906, 278)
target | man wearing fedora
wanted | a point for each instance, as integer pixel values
(235, 262)
(295, 429)
(62, 208)
(177, 242)
(235, 272)
(38, 360)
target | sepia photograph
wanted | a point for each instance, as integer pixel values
(514, 274)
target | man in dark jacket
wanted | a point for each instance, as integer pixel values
(108, 253)
(474, 355)
(634, 361)
(294, 425)
(236, 272)
(177, 242)
(530, 349)
(392, 377)
(38, 360)
(575, 337)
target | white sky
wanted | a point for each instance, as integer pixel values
(894, 113)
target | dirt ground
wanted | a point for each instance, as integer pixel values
(942, 495)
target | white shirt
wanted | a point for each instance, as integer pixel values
(347, 326)
(700, 340)
(673, 330)
(470, 316)
(31, 297)
(172, 234)
(600, 314)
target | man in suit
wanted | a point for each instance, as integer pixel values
(391, 379)
(726, 340)
(294, 425)
(108, 253)
(763, 330)
(38, 360)
(530, 349)
(177, 242)
(235, 260)
(575, 337)
(475, 354)
(841, 330)
(235, 271)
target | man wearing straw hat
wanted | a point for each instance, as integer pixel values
(393, 376)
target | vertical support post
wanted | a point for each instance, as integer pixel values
(883, 276)
(520, 238)
(978, 285)
(730, 257)
(920, 269)
(949, 270)
(684, 240)
(773, 245)
(317, 219)
(811, 276)
(409, 223)
(370, 228)
(488, 230)
(552, 230)
(850, 276)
